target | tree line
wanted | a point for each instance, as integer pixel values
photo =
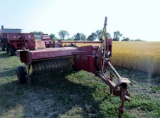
(117, 36)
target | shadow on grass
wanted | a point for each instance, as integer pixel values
(3, 54)
(53, 96)
(64, 95)
(7, 73)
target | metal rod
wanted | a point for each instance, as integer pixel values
(113, 69)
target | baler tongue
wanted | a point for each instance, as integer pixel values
(103, 59)
(124, 80)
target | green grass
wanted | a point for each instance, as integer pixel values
(75, 94)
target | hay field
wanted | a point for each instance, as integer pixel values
(81, 43)
(141, 56)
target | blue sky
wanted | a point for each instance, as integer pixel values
(133, 18)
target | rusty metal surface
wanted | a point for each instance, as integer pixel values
(28, 56)
(15, 36)
(85, 43)
(85, 62)
(14, 41)
(52, 52)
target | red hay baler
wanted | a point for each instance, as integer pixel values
(12, 40)
(94, 59)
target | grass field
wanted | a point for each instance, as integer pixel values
(77, 94)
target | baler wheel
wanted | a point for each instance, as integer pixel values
(3, 48)
(7, 50)
(21, 74)
(11, 51)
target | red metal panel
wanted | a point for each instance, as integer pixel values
(47, 41)
(30, 45)
(4, 35)
(85, 62)
(53, 52)
(86, 42)
(82, 52)
(84, 59)
(15, 36)
(86, 48)
(109, 41)
(48, 53)
(91, 63)
(95, 49)
(46, 37)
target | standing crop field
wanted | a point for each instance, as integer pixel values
(141, 56)
(82, 43)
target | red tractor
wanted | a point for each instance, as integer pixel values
(94, 59)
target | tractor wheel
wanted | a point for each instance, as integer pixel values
(7, 50)
(11, 51)
(3, 48)
(21, 74)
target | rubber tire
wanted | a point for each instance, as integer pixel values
(3, 48)
(7, 50)
(21, 75)
(11, 52)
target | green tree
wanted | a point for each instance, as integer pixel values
(108, 35)
(63, 34)
(79, 36)
(100, 36)
(83, 37)
(73, 37)
(117, 36)
(125, 39)
(52, 36)
(92, 37)
(98, 33)
(138, 40)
